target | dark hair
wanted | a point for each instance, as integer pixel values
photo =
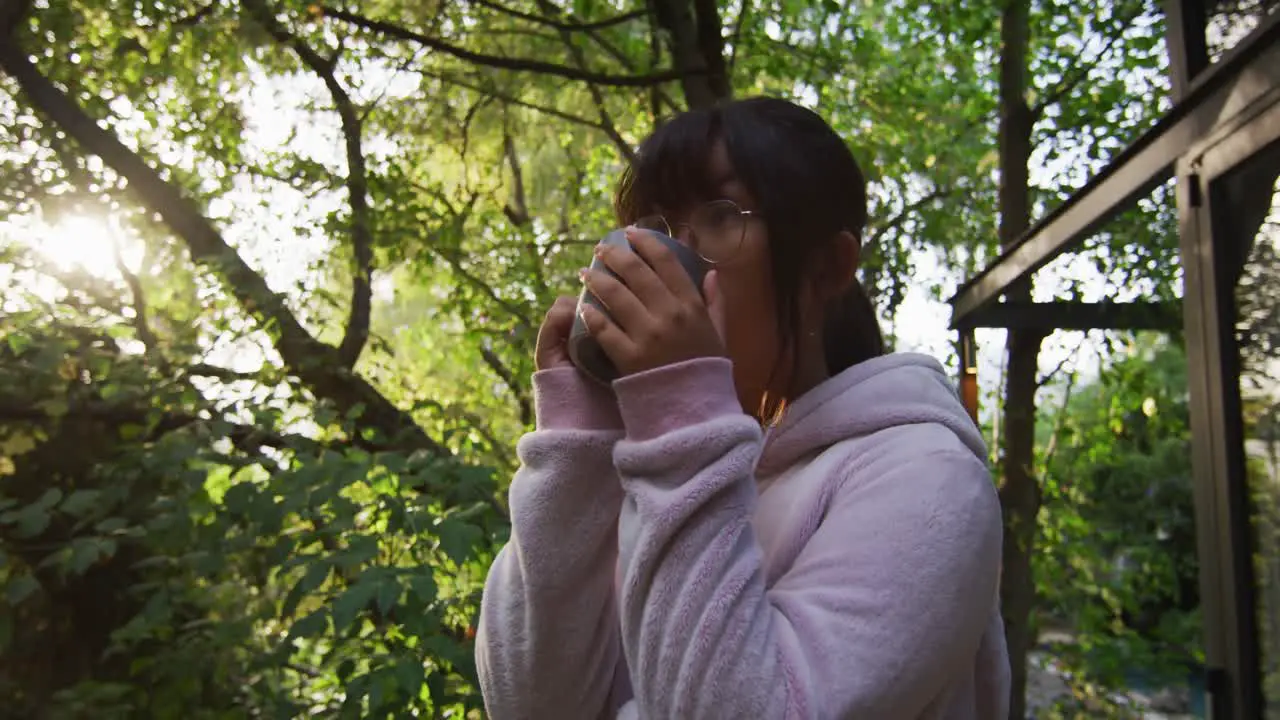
(808, 186)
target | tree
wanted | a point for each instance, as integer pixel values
(1019, 492)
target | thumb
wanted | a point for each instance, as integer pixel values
(715, 302)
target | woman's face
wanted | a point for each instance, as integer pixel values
(746, 281)
(746, 285)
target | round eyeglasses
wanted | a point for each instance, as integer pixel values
(716, 229)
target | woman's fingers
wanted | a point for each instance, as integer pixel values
(551, 350)
(656, 316)
(621, 302)
(559, 318)
(665, 265)
(634, 272)
(612, 339)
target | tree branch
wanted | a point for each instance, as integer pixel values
(517, 210)
(513, 384)
(513, 100)
(139, 302)
(12, 14)
(397, 32)
(736, 38)
(1062, 364)
(580, 61)
(1081, 71)
(455, 264)
(221, 373)
(656, 91)
(898, 219)
(711, 46)
(655, 59)
(589, 29)
(246, 438)
(314, 362)
(454, 260)
(475, 423)
(561, 25)
(1060, 422)
(356, 334)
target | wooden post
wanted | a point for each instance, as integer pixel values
(969, 373)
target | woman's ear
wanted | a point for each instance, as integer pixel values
(849, 249)
(837, 266)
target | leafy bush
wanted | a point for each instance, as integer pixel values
(1116, 568)
(162, 560)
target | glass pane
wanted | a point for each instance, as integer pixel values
(1248, 202)
(1230, 21)
(1118, 608)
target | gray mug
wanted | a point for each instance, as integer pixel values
(584, 351)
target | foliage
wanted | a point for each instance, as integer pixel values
(1116, 567)
(161, 559)
(1258, 340)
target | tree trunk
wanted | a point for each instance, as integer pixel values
(696, 40)
(1019, 489)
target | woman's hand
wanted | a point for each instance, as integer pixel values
(553, 337)
(658, 316)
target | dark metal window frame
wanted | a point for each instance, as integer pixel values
(1222, 494)
(1218, 93)
(1223, 114)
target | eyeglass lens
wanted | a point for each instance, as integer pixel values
(717, 229)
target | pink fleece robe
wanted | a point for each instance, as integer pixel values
(667, 561)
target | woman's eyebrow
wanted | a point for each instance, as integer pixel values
(723, 180)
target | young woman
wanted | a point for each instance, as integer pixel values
(766, 516)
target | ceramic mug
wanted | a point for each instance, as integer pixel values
(584, 351)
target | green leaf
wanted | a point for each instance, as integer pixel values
(362, 549)
(458, 539)
(20, 587)
(388, 593)
(49, 498)
(313, 578)
(111, 524)
(28, 521)
(410, 676)
(17, 443)
(311, 625)
(87, 551)
(423, 585)
(131, 431)
(239, 498)
(18, 343)
(351, 603)
(81, 502)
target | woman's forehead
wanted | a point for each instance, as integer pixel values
(719, 167)
(714, 179)
(680, 166)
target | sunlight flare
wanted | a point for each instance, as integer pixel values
(88, 242)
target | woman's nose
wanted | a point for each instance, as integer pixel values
(683, 232)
